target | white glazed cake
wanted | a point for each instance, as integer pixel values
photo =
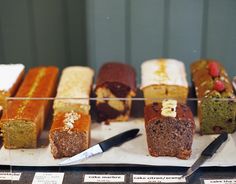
(75, 82)
(11, 76)
(164, 78)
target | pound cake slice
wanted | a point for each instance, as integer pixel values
(75, 82)
(216, 99)
(11, 75)
(169, 128)
(163, 79)
(115, 80)
(23, 120)
(69, 134)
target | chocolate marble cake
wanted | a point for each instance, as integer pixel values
(115, 80)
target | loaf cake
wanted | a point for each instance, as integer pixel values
(169, 128)
(216, 100)
(163, 79)
(69, 134)
(115, 80)
(75, 82)
(11, 76)
(23, 120)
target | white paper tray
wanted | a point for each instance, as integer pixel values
(131, 152)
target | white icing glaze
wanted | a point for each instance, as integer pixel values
(174, 73)
(75, 82)
(9, 74)
(169, 108)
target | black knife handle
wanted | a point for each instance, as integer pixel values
(118, 139)
(211, 148)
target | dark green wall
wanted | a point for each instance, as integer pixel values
(43, 32)
(90, 32)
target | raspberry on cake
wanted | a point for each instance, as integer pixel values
(163, 79)
(115, 80)
(169, 128)
(216, 104)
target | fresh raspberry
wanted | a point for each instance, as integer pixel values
(219, 86)
(214, 70)
(212, 63)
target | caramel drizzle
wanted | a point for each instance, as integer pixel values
(32, 90)
(161, 72)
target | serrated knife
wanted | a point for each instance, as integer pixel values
(102, 146)
(207, 153)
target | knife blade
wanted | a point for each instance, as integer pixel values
(103, 146)
(207, 153)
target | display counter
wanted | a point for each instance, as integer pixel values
(129, 160)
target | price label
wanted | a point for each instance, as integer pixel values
(48, 177)
(10, 176)
(220, 181)
(99, 178)
(137, 178)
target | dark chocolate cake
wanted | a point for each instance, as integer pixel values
(169, 128)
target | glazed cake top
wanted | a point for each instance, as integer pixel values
(163, 71)
(75, 82)
(80, 122)
(9, 74)
(117, 72)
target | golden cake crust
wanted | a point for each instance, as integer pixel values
(67, 141)
(75, 82)
(39, 82)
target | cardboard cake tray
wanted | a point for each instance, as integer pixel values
(131, 152)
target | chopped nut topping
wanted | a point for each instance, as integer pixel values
(70, 119)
